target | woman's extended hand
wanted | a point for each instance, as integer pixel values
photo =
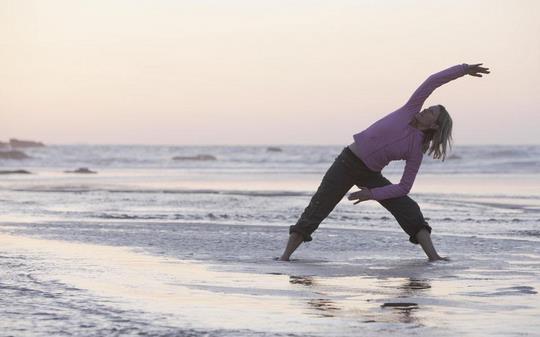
(362, 195)
(477, 71)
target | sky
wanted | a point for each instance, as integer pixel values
(261, 71)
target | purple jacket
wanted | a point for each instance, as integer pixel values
(392, 138)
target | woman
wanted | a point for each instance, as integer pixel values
(405, 134)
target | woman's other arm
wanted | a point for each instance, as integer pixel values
(393, 190)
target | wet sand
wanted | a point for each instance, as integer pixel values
(373, 297)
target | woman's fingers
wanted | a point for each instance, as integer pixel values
(476, 68)
(353, 196)
(359, 196)
(483, 70)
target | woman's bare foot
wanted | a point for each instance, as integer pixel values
(294, 241)
(282, 259)
(439, 258)
(424, 239)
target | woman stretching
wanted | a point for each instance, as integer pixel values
(405, 134)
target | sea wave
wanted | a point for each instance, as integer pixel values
(256, 159)
(252, 193)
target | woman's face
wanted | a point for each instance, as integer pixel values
(427, 118)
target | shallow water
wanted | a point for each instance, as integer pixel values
(159, 248)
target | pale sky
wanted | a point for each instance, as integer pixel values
(261, 71)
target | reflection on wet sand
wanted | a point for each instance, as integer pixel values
(402, 312)
(303, 280)
(413, 286)
(405, 312)
(389, 311)
(324, 307)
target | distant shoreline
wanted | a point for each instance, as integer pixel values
(250, 145)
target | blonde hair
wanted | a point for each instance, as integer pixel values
(436, 141)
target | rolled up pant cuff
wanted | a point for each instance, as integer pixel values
(412, 238)
(306, 237)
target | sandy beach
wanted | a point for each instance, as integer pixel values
(93, 289)
(171, 248)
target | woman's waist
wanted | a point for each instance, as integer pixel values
(349, 153)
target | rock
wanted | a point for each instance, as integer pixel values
(24, 143)
(3, 144)
(14, 172)
(83, 170)
(273, 149)
(201, 157)
(13, 155)
(454, 156)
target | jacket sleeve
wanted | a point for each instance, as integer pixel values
(407, 180)
(433, 82)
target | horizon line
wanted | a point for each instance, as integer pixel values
(261, 144)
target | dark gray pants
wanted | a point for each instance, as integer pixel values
(346, 171)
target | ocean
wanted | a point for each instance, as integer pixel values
(152, 246)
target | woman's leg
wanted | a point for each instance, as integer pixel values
(409, 216)
(424, 239)
(335, 184)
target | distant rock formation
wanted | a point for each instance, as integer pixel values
(24, 143)
(14, 172)
(274, 149)
(83, 170)
(200, 157)
(13, 154)
(2, 144)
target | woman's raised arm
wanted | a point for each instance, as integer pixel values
(436, 80)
